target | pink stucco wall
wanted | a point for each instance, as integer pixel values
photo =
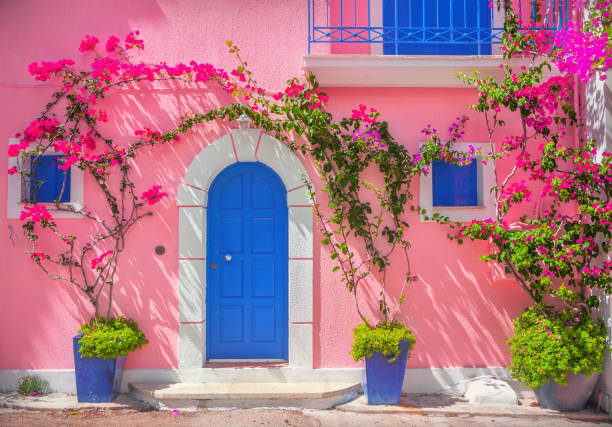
(459, 314)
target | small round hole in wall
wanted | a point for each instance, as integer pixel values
(160, 250)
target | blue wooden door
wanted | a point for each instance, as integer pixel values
(247, 264)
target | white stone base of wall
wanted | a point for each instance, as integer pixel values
(423, 380)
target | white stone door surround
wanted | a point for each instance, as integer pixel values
(250, 145)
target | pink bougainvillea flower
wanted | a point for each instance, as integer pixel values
(39, 128)
(98, 260)
(15, 149)
(153, 195)
(37, 256)
(131, 41)
(87, 140)
(362, 114)
(13, 170)
(89, 43)
(35, 213)
(112, 43)
(46, 70)
(293, 89)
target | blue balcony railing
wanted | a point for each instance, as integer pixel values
(423, 27)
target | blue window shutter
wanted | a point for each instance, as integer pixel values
(49, 177)
(455, 185)
(431, 25)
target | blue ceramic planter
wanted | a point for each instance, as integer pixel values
(382, 381)
(568, 398)
(97, 380)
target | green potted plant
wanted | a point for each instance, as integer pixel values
(51, 150)
(556, 251)
(100, 349)
(363, 217)
(560, 354)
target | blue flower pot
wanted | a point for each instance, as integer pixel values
(382, 381)
(97, 380)
(567, 398)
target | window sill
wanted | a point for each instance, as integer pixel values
(458, 207)
(56, 213)
(336, 70)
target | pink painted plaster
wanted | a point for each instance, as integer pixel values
(459, 314)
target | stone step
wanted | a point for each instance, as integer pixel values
(191, 396)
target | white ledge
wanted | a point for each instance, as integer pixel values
(400, 71)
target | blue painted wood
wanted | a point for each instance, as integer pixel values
(47, 180)
(382, 381)
(437, 27)
(247, 296)
(97, 379)
(455, 185)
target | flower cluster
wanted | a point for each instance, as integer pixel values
(363, 114)
(96, 261)
(35, 213)
(45, 70)
(89, 43)
(153, 195)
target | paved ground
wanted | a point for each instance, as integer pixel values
(266, 417)
(60, 409)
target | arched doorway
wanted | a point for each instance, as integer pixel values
(242, 146)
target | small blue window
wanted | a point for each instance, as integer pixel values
(437, 27)
(455, 185)
(47, 180)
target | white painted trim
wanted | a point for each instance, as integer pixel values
(242, 145)
(417, 380)
(426, 71)
(14, 191)
(486, 199)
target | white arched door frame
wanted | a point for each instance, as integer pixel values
(250, 145)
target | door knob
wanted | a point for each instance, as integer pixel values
(228, 257)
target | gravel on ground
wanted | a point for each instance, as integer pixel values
(264, 417)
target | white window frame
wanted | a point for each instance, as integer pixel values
(16, 189)
(485, 181)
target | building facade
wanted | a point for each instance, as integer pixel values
(401, 60)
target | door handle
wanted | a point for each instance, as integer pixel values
(228, 257)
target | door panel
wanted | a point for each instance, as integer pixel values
(247, 302)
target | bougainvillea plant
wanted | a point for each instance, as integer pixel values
(363, 225)
(545, 345)
(70, 125)
(557, 252)
(343, 150)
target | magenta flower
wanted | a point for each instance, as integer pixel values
(153, 195)
(36, 213)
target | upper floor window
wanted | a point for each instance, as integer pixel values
(437, 27)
